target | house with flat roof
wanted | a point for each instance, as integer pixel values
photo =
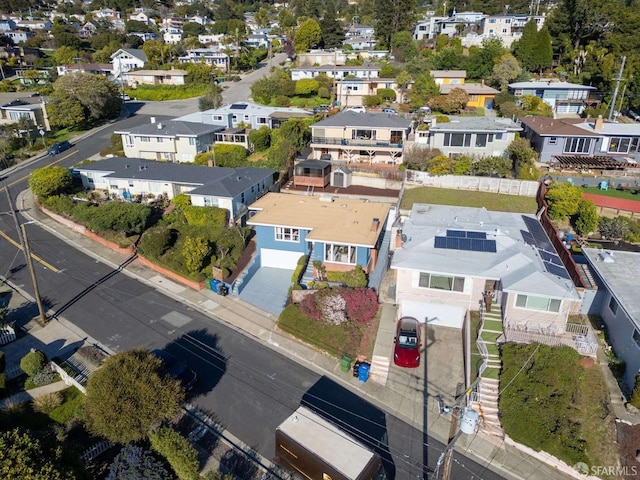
(480, 95)
(168, 141)
(352, 91)
(105, 69)
(210, 56)
(475, 136)
(616, 301)
(371, 138)
(562, 97)
(339, 72)
(245, 113)
(449, 255)
(233, 189)
(551, 137)
(339, 232)
(155, 77)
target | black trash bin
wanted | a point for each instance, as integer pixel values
(356, 368)
(223, 290)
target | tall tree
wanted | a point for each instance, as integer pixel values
(331, 35)
(524, 49)
(505, 70)
(482, 59)
(132, 382)
(543, 56)
(424, 89)
(307, 36)
(403, 46)
(392, 16)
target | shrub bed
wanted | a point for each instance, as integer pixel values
(158, 93)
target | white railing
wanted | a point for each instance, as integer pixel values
(482, 348)
(7, 335)
(68, 379)
(577, 336)
(89, 454)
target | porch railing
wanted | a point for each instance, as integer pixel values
(357, 142)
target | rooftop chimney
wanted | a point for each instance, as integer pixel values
(375, 223)
(597, 126)
(159, 126)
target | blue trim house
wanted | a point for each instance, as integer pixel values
(341, 233)
(563, 97)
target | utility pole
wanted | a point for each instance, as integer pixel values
(36, 290)
(615, 92)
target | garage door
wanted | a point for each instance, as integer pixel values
(279, 259)
(435, 313)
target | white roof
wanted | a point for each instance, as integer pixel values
(327, 441)
(516, 263)
(239, 108)
(611, 128)
(620, 276)
(551, 85)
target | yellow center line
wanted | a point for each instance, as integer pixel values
(52, 163)
(34, 256)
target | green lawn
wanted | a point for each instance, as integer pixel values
(465, 198)
(493, 325)
(490, 336)
(492, 349)
(491, 372)
(70, 406)
(612, 193)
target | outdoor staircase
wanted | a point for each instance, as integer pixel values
(307, 276)
(379, 372)
(491, 332)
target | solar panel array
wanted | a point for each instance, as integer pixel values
(466, 234)
(467, 244)
(238, 106)
(537, 237)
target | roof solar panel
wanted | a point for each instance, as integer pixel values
(464, 244)
(490, 246)
(538, 233)
(528, 238)
(480, 235)
(456, 233)
(550, 257)
(238, 106)
(556, 270)
(440, 242)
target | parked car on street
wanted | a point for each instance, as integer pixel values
(59, 147)
(406, 352)
(356, 108)
(176, 369)
(389, 111)
(321, 109)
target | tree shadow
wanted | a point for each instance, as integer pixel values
(359, 418)
(199, 350)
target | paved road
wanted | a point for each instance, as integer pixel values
(233, 92)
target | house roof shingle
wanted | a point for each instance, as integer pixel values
(545, 126)
(549, 86)
(476, 124)
(470, 88)
(340, 220)
(210, 181)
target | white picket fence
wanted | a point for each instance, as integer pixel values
(89, 454)
(7, 335)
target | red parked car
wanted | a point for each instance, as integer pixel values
(406, 352)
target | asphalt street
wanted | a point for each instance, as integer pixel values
(248, 387)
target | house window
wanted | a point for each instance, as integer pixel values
(577, 145)
(192, 141)
(217, 118)
(542, 304)
(636, 337)
(363, 134)
(619, 145)
(492, 20)
(131, 184)
(262, 120)
(211, 201)
(481, 140)
(457, 139)
(286, 234)
(553, 140)
(128, 141)
(145, 139)
(504, 30)
(499, 136)
(340, 254)
(441, 282)
(613, 305)
(159, 139)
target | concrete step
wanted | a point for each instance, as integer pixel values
(488, 330)
(379, 372)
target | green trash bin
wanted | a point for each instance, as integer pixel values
(345, 363)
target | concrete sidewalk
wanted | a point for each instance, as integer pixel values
(407, 403)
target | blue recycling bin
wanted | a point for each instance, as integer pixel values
(570, 238)
(214, 282)
(363, 372)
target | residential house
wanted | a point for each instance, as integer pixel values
(372, 138)
(42, 24)
(459, 24)
(257, 40)
(168, 141)
(616, 301)
(551, 137)
(18, 36)
(446, 257)
(338, 72)
(173, 23)
(33, 108)
(144, 35)
(480, 95)
(336, 57)
(142, 16)
(562, 97)
(230, 188)
(352, 91)
(239, 114)
(233, 136)
(341, 233)
(360, 43)
(210, 56)
(172, 36)
(106, 14)
(199, 19)
(6, 24)
(211, 39)
(506, 27)
(446, 77)
(126, 59)
(426, 29)
(105, 69)
(355, 30)
(155, 77)
(88, 29)
(474, 136)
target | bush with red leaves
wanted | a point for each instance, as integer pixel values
(362, 304)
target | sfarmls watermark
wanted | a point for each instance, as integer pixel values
(607, 470)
